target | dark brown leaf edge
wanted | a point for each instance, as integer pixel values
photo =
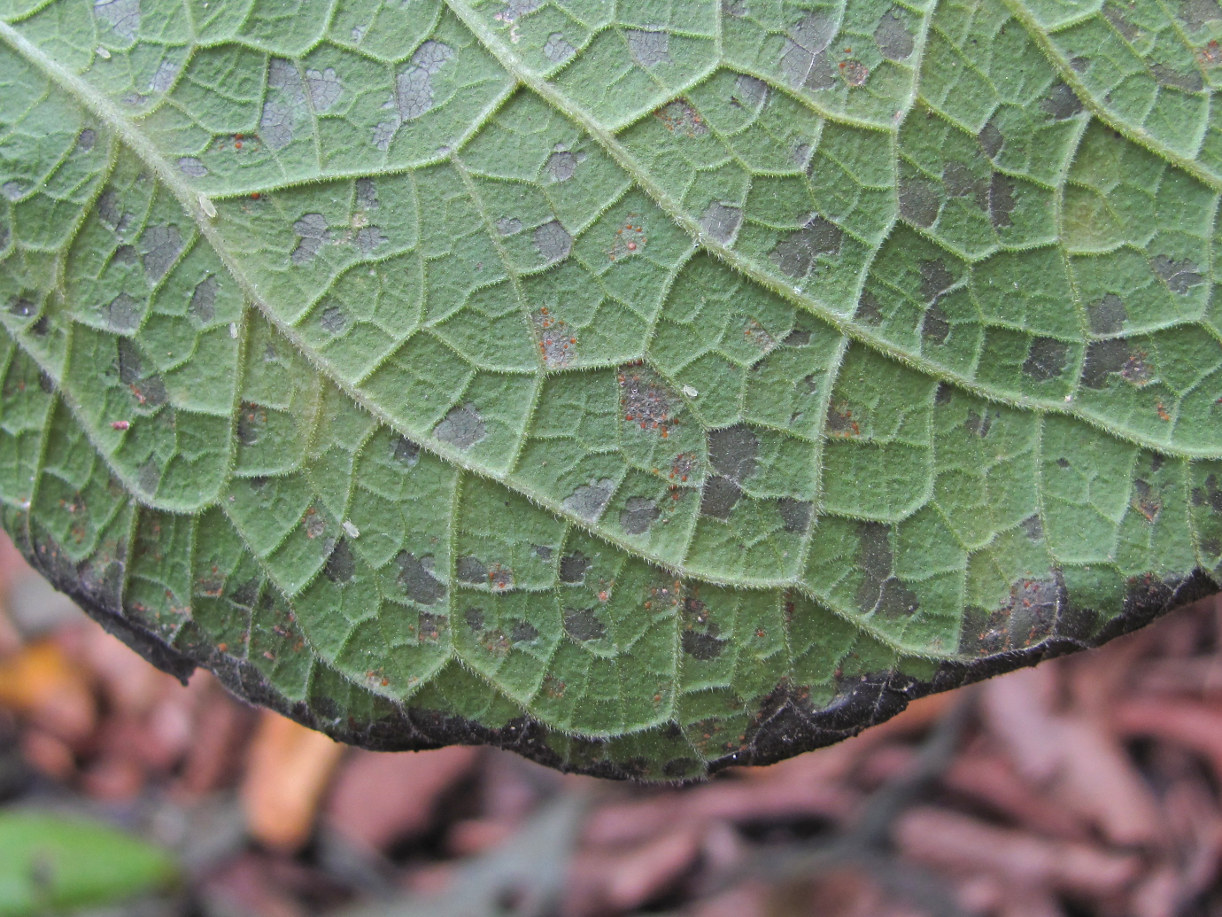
(786, 724)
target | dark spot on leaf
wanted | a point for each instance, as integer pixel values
(1190, 80)
(796, 254)
(21, 307)
(702, 646)
(1196, 13)
(893, 38)
(130, 361)
(645, 400)
(86, 139)
(368, 238)
(404, 451)
(718, 497)
(111, 213)
(1046, 359)
(935, 326)
(340, 565)
(721, 221)
(1108, 315)
(462, 427)
(1180, 276)
(366, 194)
(798, 337)
(523, 632)
(1034, 613)
(474, 618)
(333, 320)
(588, 500)
(203, 299)
(979, 424)
(681, 117)
(881, 592)
(553, 242)
(1146, 500)
(573, 567)
(1001, 200)
(542, 551)
(1102, 359)
(990, 140)
(431, 625)
(123, 313)
(638, 515)
(935, 279)
(1062, 462)
(795, 514)
(961, 181)
(471, 569)
(869, 310)
(733, 450)
(252, 419)
(919, 202)
(416, 578)
(159, 248)
(1061, 103)
(583, 624)
(1033, 528)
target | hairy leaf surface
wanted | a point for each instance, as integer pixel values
(644, 387)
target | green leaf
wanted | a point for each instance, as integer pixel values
(646, 390)
(51, 863)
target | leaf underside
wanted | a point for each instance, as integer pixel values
(643, 388)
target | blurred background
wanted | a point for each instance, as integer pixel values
(1087, 786)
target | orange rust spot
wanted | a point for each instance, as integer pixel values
(1162, 412)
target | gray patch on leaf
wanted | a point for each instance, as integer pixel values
(589, 500)
(86, 139)
(148, 477)
(1199, 12)
(936, 279)
(1189, 80)
(980, 424)
(1108, 315)
(573, 567)
(523, 632)
(553, 242)
(368, 238)
(159, 248)
(509, 226)
(189, 165)
(1180, 276)
(679, 116)
(1104, 358)
(893, 38)
(131, 364)
(325, 88)
(869, 309)
(333, 320)
(721, 221)
(516, 8)
(583, 624)
(12, 190)
(1046, 359)
(416, 578)
(733, 450)
(557, 49)
(961, 181)
(795, 255)
(1033, 528)
(312, 233)
(203, 299)
(470, 569)
(750, 92)
(802, 60)
(1061, 104)
(285, 105)
(561, 166)
(111, 213)
(123, 313)
(366, 194)
(404, 451)
(462, 427)
(795, 514)
(123, 16)
(340, 565)
(649, 48)
(718, 497)
(638, 515)
(164, 78)
(413, 89)
(21, 307)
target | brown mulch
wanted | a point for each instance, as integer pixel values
(1089, 785)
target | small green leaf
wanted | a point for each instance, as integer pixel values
(646, 390)
(51, 863)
